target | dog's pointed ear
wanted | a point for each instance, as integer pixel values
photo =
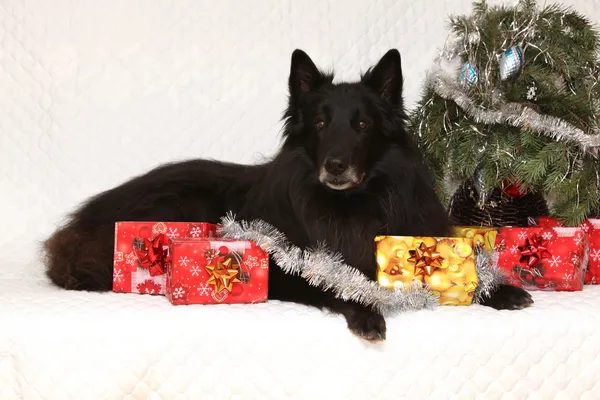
(385, 78)
(305, 77)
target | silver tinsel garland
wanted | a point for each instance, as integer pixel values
(326, 270)
(517, 115)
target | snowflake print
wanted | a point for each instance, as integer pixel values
(264, 263)
(501, 246)
(149, 287)
(195, 270)
(568, 276)
(131, 258)
(179, 293)
(575, 259)
(547, 235)
(195, 232)
(204, 289)
(522, 235)
(578, 239)
(117, 275)
(514, 249)
(119, 256)
(173, 232)
(210, 255)
(184, 261)
(532, 92)
(595, 255)
(549, 285)
(252, 262)
(554, 261)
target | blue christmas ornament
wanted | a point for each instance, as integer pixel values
(469, 75)
(511, 62)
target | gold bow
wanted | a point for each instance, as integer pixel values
(425, 259)
(223, 275)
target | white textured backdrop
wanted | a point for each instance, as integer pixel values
(95, 92)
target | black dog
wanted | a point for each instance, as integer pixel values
(347, 171)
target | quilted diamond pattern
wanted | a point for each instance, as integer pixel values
(96, 92)
(61, 345)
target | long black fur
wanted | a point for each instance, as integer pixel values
(361, 123)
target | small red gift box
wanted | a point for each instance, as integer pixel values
(543, 258)
(216, 271)
(141, 254)
(592, 229)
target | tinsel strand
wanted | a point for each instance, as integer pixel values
(489, 275)
(326, 270)
(511, 113)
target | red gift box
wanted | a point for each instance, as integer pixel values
(543, 258)
(592, 229)
(141, 254)
(216, 271)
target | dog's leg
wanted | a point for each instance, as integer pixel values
(508, 297)
(364, 322)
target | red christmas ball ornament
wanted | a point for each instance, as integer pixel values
(237, 290)
(223, 250)
(513, 189)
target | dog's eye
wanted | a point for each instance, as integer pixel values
(320, 125)
(362, 125)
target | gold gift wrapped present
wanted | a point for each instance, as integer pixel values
(446, 265)
(482, 236)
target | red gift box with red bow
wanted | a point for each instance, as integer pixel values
(142, 252)
(543, 258)
(591, 228)
(217, 271)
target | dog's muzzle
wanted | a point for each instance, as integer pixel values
(338, 175)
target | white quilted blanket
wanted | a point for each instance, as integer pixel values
(94, 92)
(60, 345)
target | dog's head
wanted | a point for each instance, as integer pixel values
(344, 128)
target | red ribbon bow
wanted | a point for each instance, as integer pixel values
(154, 255)
(534, 250)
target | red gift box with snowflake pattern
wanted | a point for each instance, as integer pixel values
(217, 271)
(539, 258)
(142, 252)
(592, 229)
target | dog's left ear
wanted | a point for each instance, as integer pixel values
(386, 77)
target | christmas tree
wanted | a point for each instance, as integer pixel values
(513, 100)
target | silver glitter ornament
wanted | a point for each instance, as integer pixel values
(511, 62)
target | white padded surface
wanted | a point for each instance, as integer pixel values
(61, 345)
(94, 92)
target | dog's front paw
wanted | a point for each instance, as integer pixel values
(367, 324)
(508, 297)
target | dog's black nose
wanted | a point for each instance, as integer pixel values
(335, 166)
